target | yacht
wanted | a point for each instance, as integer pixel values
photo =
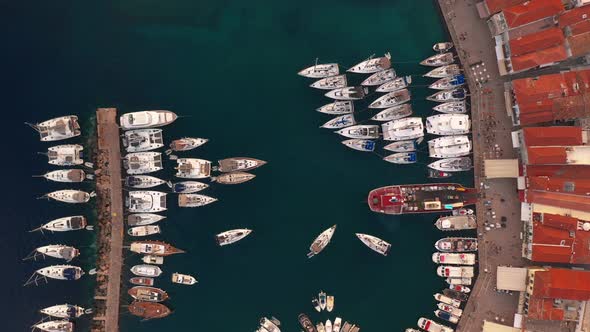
(397, 84)
(447, 300)
(143, 140)
(402, 158)
(458, 164)
(450, 309)
(55, 326)
(330, 303)
(142, 281)
(366, 145)
(455, 271)
(316, 305)
(187, 187)
(146, 119)
(183, 279)
(66, 311)
(431, 326)
(149, 294)
(156, 248)
(65, 224)
(434, 174)
(70, 196)
(448, 124)
(320, 70)
(57, 129)
(146, 201)
(449, 147)
(329, 325)
(233, 178)
(447, 83)
(456, 223)
(144, 270)
(320, 327)
(323, 300)
(148, 310)
(442, 47)
(231, 236)
(320, 243)
(393, 113)
(342, 121)
(444, 71)
(61, 272)
(65, 155)
(456, 244)
(337, 108)
(460, 288)
(453, 258)
(306, 323)
(66, 175)
(143, 230)
(403, 129)
(372, 65)
(380, 77)
(193, 168)
(59, 251)
(330, 83)
(458, 281)
(143, 162)
(391, 99)
(194, 200)
(348, 93)
(187, 143)
(455, 294)
(375, 243)
(404, 146)
(437, 60)
(446, 316)
(360, 131)
(337, 323)
(270, 325)
(456, 94)
(452, 107)
(151, 259)
(141, 219)
(143, 181)
(239, 164)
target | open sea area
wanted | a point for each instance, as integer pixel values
(229, 69)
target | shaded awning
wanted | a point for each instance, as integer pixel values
(501, 168)
(511, 278)
(494, 327)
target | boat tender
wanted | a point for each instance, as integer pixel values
(146, 119)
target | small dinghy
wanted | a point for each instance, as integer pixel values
(234, 178)
(142, 281)
(447, 83)
(404, 146)
(360, 131)
(144, 270)
(194, 200)
(330, 83)
(141, 219)
(397, 84)
(391, 99)
(70, 196)
(187, 187)
(448, 95)
(366, 145)
(337, 108)
(434, 174)
(442, 47)
(340, 122)
(143, 181)
(187, 143)
(66, 175)
(453, 107)
(183, 279)
(320, 70)
(438, 60)
(348, 93)
(380, 77)
(372, 65)
(402, 158)
(444, 71)
(393, 113)
(143, 230)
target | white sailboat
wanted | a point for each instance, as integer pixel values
(59, 128)
(141, 219)
(66, 311)
(402, 158)
(391, 99)
(64, 224)
(143, 181)
(70, 196)
(394, 113)
(320, 70)
(456, 94)
(143, 162)
(232, 236)
(360, 131)
(187, 187)
(444, 71)
(65, 155)
(437, 60)
(144, 230)
(147, 119)
(374, 243)
(372, 65)
(146, 201)
(139, 140)
(187, 143)
(452, 107)
(321, 242)
(458, 164)
(55, 326)
(397, 84)
(337, 108)
(340, 122)
(194, 200)
(66, 175)
(330, 83)
(404, 146)
(61, 272)
(403, 129)
(59, 251)
(358, 144)
(380, 77)
(448, 124)
(348, 93)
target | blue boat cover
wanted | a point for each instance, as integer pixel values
(412, 156)
(70, 273)
(178, 187)
(369, 145)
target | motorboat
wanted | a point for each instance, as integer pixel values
(146, 201)
(434, 174)
(337, 324)
(187, 187)
(147, 293)
(458, 164)
(380, 77)
(193, 168)
(453, 258)
(444, 71)
(143, 181)
(459, 280)
(341, 121)
(442, 47)
(448, 124)
(402, 158)
(366, 145)
(55, 326)
(148, 310)
(65, 155)
(270, 325)
(320, 327)
(456, 94)
(65, 224)
(374, 243)
(59, 251)
(460, 288)
(449, 147)
(329, 303)
(143, 162)
(146, 119)
(431, 326)
(452, 107)
(306, 323)
(372, 65)
(328, 325)
(446, 316)
(57, 129)
(142, 281)
(462, 212)
(183, 279)
(145, 270)
(231, 236)
(456, 244)
(450, 309)
(348, 93)
(187, 143)
(234, 178)
(437, 60)
(404, 146)
(447, 300)
(320, 70)
(330, 83)
(194, 200)
(391, 99)
(319, 243)
(397, 84)
(447, 83)
(337, 108)
(457, 295)
(139, 140)
(403, 129)
(394, 113)
(455, 271)
(323, 300)
(61, 272)
(143, 230)
(360, 131)
(65, 311)
(66, 175)
(456, 223)
(141, 219)
(316, 304)
(70, 196)
(239, 164)
(152, 259)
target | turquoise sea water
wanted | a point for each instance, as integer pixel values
(228, 67)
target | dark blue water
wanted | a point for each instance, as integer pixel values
(229, 68)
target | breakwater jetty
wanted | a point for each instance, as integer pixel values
(110, 222)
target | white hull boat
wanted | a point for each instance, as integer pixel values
(453, 258)
(144, 270)
(70, 196)
(444, 71)
(450, 309)
(193, 168)
(448, 124)
(233, 178)
(372, 65)
(449, 271)
(457, 244)
(365, 145)
(449, 147)
(231, 236)
(155, 248)
(183, 279)
(340, 122)
(438, 60)
(66, 175)
(348, 93)
(394, 113)
(446, 316)
(143, 140)
(453, 107)
(402, 158)
(320, 70)
(430, 326)
(337, 108)
(397, 84)
(143, 181)
(143, 230)
(454, 281)
(239, 164)
(460, 288)
(58, 251)
(188, 187)
(447, 83)
(380, 77)
(391, 99)
(457, 94)
(142, 219)
(337, 324)
(270, 325)
(65, 155)
(57, 129)
(65, 224)
(456, 223)
(404, 146)
(322, 299)
(360, 131)
(329, 325)
(146, 119)
(146, 201)
(403, 129)
(459, 164)
(143, 162)
(151, 259)
(187, 143)
(374, 243)
(318, 245)
(194, 200)
(442, 47)
(61, 272)
(330, 83)
(55, 326)
(66, 311)
(447, 300)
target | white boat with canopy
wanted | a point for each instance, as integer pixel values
(147, 119)
(449, 147)
(146, 201)
(403, 129)
(448, 124)
(140, 140)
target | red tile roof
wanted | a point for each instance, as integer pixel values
(566, 201)
(566, 171)
(562, 284)
(542, 57)
(495, 6)
(556, 135)
(559, 239)
(579, 44)
(550, 155)
(536, 41)
(542, 309)
(531, 11)
(580, 27)
(574, 16)
(572, 186)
